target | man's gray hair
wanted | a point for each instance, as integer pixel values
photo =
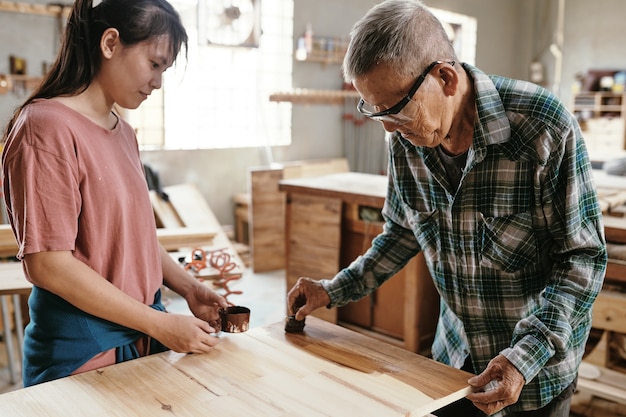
(401, 33)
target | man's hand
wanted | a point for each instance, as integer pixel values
(508, 386)
(309, 292)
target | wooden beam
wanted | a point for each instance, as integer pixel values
(309, 96)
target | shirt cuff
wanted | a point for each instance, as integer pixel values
(335, 292)
(529, 355)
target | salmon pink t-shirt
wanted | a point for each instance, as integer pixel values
(71, 184)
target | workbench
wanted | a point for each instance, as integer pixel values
(325, 371)
(332, 219)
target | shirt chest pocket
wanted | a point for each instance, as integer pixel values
(425, 227)
(507, 243)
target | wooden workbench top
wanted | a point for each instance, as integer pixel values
(326, 371)
(352, 187)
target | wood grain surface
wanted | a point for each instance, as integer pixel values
(325, 371)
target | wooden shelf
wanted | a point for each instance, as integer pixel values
(602, 117)
(599, 103)
(323, 57)
(309, 96)
(324, 50)
(39, 9)
(15, 82)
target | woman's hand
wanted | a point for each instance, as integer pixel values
(205, 303)
(184, 333)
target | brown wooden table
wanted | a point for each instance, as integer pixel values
(326, 371)
(332, 219)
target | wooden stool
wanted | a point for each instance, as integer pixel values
(12, 285)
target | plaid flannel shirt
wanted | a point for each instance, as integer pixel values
(517, 253)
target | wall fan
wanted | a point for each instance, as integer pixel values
(229, 22)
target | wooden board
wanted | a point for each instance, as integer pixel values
(185, 237)
(325, 371)
(164, 213)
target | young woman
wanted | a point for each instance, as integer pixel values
(78, 202)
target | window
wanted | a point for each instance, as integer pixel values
(461, 30)
(219, 97)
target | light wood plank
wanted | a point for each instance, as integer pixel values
(187, 237)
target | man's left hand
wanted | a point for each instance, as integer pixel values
(507, 390)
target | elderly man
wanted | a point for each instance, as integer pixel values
(489, 177)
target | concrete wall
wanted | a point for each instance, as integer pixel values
(511, 34)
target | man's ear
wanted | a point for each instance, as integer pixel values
(109, 42)
(450, 78)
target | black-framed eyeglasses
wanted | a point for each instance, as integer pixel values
(392, 114)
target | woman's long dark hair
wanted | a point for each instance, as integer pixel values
(79, 58)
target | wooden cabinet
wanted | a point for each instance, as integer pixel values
(267, 211)
(602, 116)
(332, 219)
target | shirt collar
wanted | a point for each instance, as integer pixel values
(493, 123)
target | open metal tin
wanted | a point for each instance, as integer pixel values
(235, 319)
